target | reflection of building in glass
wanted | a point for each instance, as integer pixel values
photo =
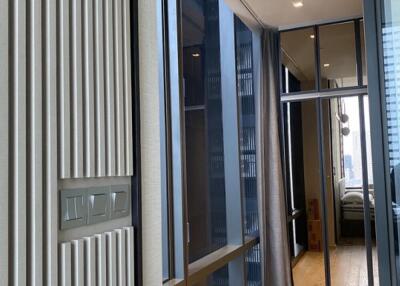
(245, 91)
(348, 168)
(391, 50)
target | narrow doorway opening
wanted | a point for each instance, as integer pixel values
(344, 198)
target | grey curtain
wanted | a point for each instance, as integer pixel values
(274, 233)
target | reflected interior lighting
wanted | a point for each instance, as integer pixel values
(312, 36)
(326, 65)
(195, 55)
(297, 4)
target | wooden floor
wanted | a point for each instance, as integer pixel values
(348, 267)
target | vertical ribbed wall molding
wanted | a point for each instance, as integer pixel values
(95, 91)
(4, 140)
(28, 76)
(100, 260)
(65, 112)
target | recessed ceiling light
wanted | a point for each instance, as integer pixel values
(195, 55)
(298, 4)
(326, 65)
(312, 36)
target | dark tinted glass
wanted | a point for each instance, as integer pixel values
(247, 123)
(247, 133)
(338, 55)
(218, 278)
(298, 60)
(203, 121)
(253, 267)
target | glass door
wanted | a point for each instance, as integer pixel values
(330, 192)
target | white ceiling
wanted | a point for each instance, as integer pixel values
(282, 14)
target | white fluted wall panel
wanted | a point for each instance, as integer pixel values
(65, 112)
(29, 136)
(95, 92)
(102, 259)
(4, 150)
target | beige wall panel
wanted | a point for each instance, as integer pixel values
(150, 143)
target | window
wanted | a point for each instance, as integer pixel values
(350, 133)
(338, 55)
(247, 143)
(210, 134)
(323, 57)
(203, 122)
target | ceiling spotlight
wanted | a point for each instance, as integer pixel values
(326, 65)
(298, 4)
(312, 36)
(195, 55)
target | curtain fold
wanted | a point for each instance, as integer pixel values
(273, 218)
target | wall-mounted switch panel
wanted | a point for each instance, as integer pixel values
(92, 205)
(73, 208)
(99, 204)
(120, 201)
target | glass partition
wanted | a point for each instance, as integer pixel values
(323, 57)
(298, 60)
(305, 217)
(211, 106)
(337, 47)
(203, 120)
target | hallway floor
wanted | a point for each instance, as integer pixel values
(348, 267)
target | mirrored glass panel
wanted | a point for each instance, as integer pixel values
(298, 60)
(203, 120)
(338, 66)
